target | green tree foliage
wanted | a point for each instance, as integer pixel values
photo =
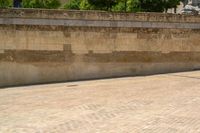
(171, 4)
(133, 6)
(5, 3)
(49, 4)
(111, 5)
(120, 6)
(90, 4)
(151, 5)
(73, 4)
(127, 6)
(33, 4)
(102, 4)
(123, 5)
(85, 5)
(52, 4)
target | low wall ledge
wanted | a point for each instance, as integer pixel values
(96, 15)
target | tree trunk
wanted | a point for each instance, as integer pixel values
(125, 6)
(175, 10)
(166, 9)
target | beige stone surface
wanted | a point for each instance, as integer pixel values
(101, 42)
(45, 46)
(167, 103)
(35, 73)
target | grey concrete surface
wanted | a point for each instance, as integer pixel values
(167, 103)
(98, 23)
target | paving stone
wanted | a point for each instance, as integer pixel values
(167, 103)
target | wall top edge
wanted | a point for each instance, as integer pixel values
(96, 15)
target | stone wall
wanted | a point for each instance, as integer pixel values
(40, 46)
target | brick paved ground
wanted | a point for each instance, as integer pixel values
(154, 104)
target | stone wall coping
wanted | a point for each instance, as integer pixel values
(96, 15)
